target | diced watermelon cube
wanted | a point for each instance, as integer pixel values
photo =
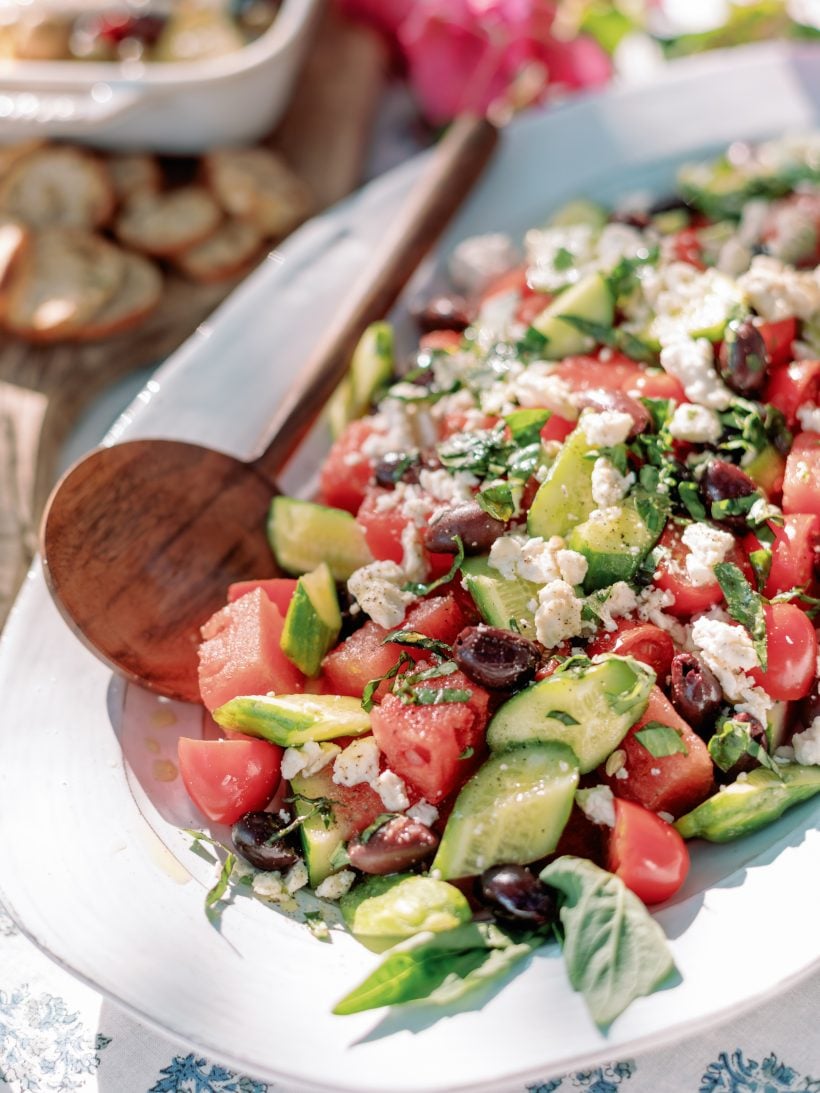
(279, 591)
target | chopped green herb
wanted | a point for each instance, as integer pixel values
(418, 641)
(563, 259)
(732, 741)
(498, 501)
(419, 589)
(432, 696)
(562, 716)
(317, 925)
(761, 563)
(661, 740)
(382, 819)
(533, 342)
(367, 696)
(468, 752)
(216, 893)
(526, 425)
(745, 605)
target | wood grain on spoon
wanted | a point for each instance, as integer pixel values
(140, 540)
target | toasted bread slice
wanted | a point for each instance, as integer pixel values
(58, 187)
(229, 251)
(137, 296)
(255, 184)
(64, 277)
(133, 174)
(165, 224)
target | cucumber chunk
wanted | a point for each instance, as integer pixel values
(321, 836)
(589, 299)
(614, 546)
(371, 368)
(513, 809)
(384, 910)
(313, 621)
(291, 720)
(589, 706)
(579, 211)
(500, 601)
(303, 534)
(564, 498)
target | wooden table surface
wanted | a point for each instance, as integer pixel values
(43, 390)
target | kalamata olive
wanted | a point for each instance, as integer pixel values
(513, 894)
(443, 313)
(671, 203)
(599, 399)
(746, 762)
(395, 467)
(398, 844)
(476, 528)
(809, 707)
(495, 658)
(353, 618)
(695, 692)
(633, 218)
(743, 361)
(724, 481)
(255, 838)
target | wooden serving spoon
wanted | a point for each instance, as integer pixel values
(140, 540)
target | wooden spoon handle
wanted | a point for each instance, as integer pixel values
(457, 163)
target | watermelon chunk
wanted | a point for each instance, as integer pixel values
(670, 783)
(279, 591)
(240, 653)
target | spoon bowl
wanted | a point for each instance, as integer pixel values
(140, 540)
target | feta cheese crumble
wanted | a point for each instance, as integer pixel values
(597, 804)
(376, 587)
(336, 885)
(392, 791)
(607, 428)
(423, 812)
(776, 291)
(308, 759)
(558, 615)
(692, 362)
(809, 417)
(480, 260)
(536, 560)
(708, 546)
(359, 762)
(807, 745)
(694, 423)
(609, 486)
(728, 650)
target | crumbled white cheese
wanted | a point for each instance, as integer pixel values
(609, 486)
(558, 616)
(359, 762)
(763, 510)
(685, 298)
(423, 812)
(536, 560)
(707, 547)
(308, 759)
(444, 486)
(620, 600)
(692, 362)
(478, 261)
(807, 745)
(607, 428)
(271, 886)
(597, 804)
(296, 877)
(698, 424)
(734, 257)
(392, 791)
(590, 251)
(809, 417)
(792, 235)
(777, 291)
(336, 885)
(729, 652)
(377, 589)
(537, 387)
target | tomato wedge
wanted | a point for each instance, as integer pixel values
(647, 853)
(791, 648)
(227, 778)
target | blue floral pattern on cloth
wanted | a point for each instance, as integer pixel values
(737, 1074)
(189, 1074)
(603, 1079)
(44, 1046)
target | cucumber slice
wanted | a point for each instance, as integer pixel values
(614, 547)
(500, 602)
(777, 724)
(371, 368)
(588, 706)
(513, 809)
(766, 469)
(579, 211)
(291, 720)
(564, 498)
(303, 534)
(589, 299)
(313, 621)
(321, 836)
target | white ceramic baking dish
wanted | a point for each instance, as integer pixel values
(168, 107)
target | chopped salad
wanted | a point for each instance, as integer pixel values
(552, 614)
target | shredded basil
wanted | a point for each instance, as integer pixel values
(745, 605)
(525, 425)
(661, 740)
(367, 696)
(562, 716)
(498, 501)
(420, 589)
(732, 741)
(418, 641)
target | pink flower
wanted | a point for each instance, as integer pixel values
(466, 54)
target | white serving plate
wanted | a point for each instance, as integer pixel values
(92, 864)
(167, 107)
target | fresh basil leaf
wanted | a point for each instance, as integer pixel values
(533, 342)
(733, 506)
(732, 741)
(418, 641)
(562, 716)
(563, 259)
(371, 829)
(216, 893)
(745, 605)
(468, 752)
(613, 948)
(634, 347)
(689, 494)
(526, 425)
(661, 740)
(431, 696)
(599, 332)
(439, 968)
(622, 279)
(339, 858)
(498, 501)
(419, 589)
(371, 688)
(761, 563)
(199, 837)
(653, 509)
(660, 410)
